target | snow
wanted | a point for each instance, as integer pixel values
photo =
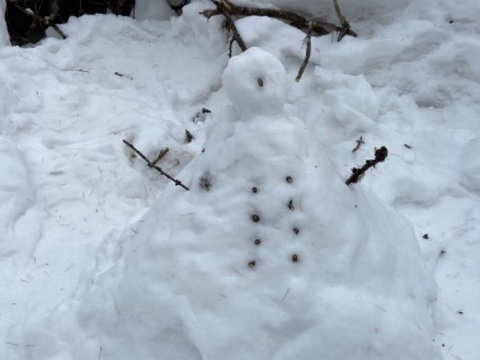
(103, 258)
(16, 195)
(3, 26)
(255, 83)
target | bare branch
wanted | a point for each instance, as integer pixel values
(340, 16)
(310, 27)
(293, 19)
(308, 51)
(160, 156)
(345, 25)
(58, 31)
(45, 22)
(359, 143)
(224, 8)
(152, 165)
(357, 173)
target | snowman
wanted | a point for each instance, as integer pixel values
(268, 256)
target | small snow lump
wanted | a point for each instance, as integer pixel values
(255, 82)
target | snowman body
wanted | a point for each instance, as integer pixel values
(268, 256)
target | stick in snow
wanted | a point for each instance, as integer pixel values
(158, 168)
(308, 51)
(310, 27)
(380, 156)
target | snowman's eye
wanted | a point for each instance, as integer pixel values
(260, 82)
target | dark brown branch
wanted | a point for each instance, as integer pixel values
(380, 156)
(293, 19)
(208, 13)
(345, 25)
(160, 156)
(152, 165)
(230, 47)
(45, 22)
(224, 8)
(228, 9)
(308, 52)
(59, 32)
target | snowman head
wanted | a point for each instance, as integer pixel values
(255, 82)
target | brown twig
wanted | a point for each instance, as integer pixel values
(159, 169)
(59, 32)
(345, 25)
(224, 8)
(359, 143)
(228, 9)
(160, 156)
(380, 156)
(308, 52)
(44, 22)
(293, 19)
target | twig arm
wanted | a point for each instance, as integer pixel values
(357, 173)
(158, 168)
(224, 8)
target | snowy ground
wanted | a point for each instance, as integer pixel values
(409, 81)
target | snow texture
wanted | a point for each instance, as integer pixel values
(16, 194)
(470, 170)
(103, 258)
(3, 26)
(269, 253)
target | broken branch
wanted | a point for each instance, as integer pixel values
(160, 156)
(224, 8)
(357, 173)
(152, 165)
(308, 52)
(293, 19)
(310, 27)
(44, 22)
(359, 143)
(345, 25)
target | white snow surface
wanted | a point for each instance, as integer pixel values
(3, 26)
(103, 258)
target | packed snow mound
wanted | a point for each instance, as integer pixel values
(16, 193)
(255, 82)
(470, 168)
(4, 100)
(269, 255)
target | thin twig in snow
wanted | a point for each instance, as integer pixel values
(224, 8)
(159, 169)
(308, 52)
(345, 25)
(160, 156)
(359, 143)
(293, 19)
